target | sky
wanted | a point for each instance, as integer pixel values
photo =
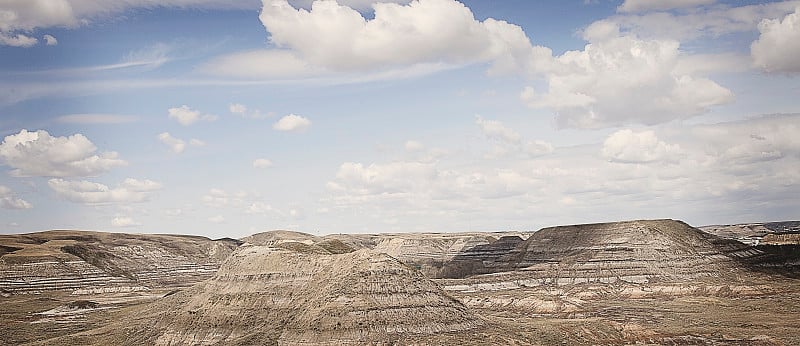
(226, 118)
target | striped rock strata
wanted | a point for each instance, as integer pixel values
(92, 262)
(269, 295)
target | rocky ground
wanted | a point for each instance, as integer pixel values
(637, 282)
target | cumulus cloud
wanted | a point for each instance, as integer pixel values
(412, 182)
(494, 129)
(628, 146)
(694, 172)
(86, 192)
(177, 145)
(292, 123)
(262, 163)
(757, 140)
(661, 5)
(620, 79)
(28, 15)
(187, 116)
(334, 38)
(356, 4)
(8, 200)
(507, 141)
(50, 40)
(124, 221)
(778, 47)
(242, 111)
(40, 154)
(393, 177)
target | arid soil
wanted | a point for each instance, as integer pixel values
(635, 282)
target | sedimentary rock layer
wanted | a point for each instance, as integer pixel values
(91, 261)
(268, 295)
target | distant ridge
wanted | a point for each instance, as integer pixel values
(86, 261)
(630, 251)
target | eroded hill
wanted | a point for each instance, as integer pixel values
(647, 281)
(270, 295)
(92, 261)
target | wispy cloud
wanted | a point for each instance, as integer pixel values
(96, 118)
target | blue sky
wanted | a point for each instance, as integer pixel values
(225, 118)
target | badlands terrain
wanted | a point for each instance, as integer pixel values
(633, 282)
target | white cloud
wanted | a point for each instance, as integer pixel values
(618, 80)
(414, 146)
(50, 40)
(86, 192)
(538, 148)
(418, 184)
(705, 64)
(292, 123)
(218, 198)
(150, 57)
(778, 47)
(757, 140)
(216, 219)
(334, 38)
(508, 141)
(242, 111)
(237, 108)
(39, 154)
(693, 172)
(627, 146)
(187, 116)
(713, 21)
(27, 15)
(176, 145)
(8, 200)
(494, 129)
(356, 4)
(17, 40)
(96, 119)
(396, 177)
(660, 5)
(262, 163)
(259, 208)
(262, 64)
(124, 221)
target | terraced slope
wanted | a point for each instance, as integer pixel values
(268, 295)
(557, 269)
(634, 251)
(428, 252)
(86, 262)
